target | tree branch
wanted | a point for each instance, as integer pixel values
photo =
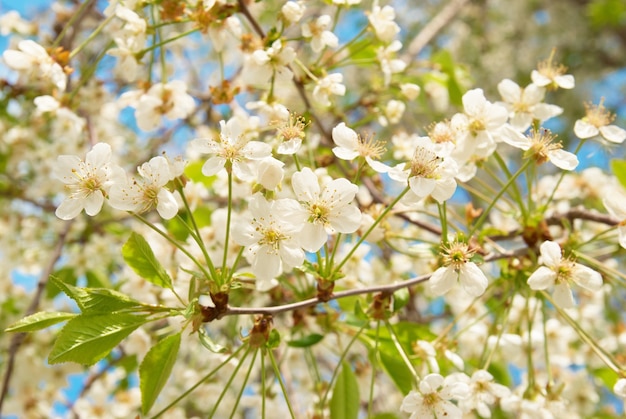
(18, 338)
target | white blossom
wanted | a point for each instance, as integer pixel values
(560, 272)
(458, 267)
(597, 121)
(321, 36)
(434, 398)
(525, 104)
(33, 61)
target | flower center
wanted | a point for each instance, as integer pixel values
(424, 163)
(598, 115)
(457, 254)
(542, 143)
(368, 147)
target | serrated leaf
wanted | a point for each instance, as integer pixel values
(39, 321)
(345, 401)
(156, 368)
(65, 275)
(619, 170)
(306, 341)
(97, 300)
(90, 337)
(140, 257)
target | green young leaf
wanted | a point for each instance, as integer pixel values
(306, 341)
(139, 256)
(619, 170)
(90, 337)
(345, 401)
(65, 275)
(39, 321)
(97, 300)
(155, 369)
(395, 367)
(274, 339)
(208, 343)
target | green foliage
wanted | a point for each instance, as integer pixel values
(603, 13)
(39, 321)
(455, 73)
(306, 341)
(345, 401)
(97, 300)
(619, 170)
(87, 338)
(140, 257)
(208, 343)
(156, 369)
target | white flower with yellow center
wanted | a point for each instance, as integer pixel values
(87, 181)
(328, 210)
(596, 122)
(270, 235)
(560, 272)
(434, 398)
(350, 146)
(458, 267)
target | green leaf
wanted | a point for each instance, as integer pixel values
(345, 401)
(400, 299)
(97, 300)
(90, 337)
(97, 280)
(65, 275)
(139, 256)
(208, 343)
(619, 170)
(395, 368)
(39, 321)
(306, 341)
(156, 368)
(273, 340)
(194, 172)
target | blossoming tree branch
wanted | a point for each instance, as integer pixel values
(286, 208)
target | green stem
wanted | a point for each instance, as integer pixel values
(344, 46)
(344, 353)
(558, 183)
(229, 382)
(243, 385)
(173, 242)
(197, 384)
(444, 222)
(229, 211)
(70, 23)
(156, 45)
(401, 351)
(510, 182)
(280, 381)
(91, 36)
(263, 389)
(369, 230)
(370, 401)
(517, 195)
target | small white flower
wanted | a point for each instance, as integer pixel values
(87, 181)
(596, 122)
(232, 151)
(147, 192)
(350, 146)
(525, 105)
(320, 36)
(163, 99)
(484, 392)
(270, 236)
(327, 86)
(429, 173)
(388, 63)
(293, 11)
(382, 20)
(327, 211)
(433, 399)
(560, 272)
(457, 267)
(552, 75)
(540, 145)
(410, 91)
(270, 173)
(33, 61)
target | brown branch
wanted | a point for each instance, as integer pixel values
(386, 289)
(433, 27)
(582, 214)
(18, 338)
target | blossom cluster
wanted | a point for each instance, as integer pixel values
(311, 249)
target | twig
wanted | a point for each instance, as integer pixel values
(18, 338)
(433, 27)
(387, 289)
(582, 214)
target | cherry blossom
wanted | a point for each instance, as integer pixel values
(434, 398)
(525, 104)
(350, 146)
(560, 272)
(458, 267)
(33, 61)
(328, 210)
(597, 122)
(88, 181)
(148, 191)
(614, 201)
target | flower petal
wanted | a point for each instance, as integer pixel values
(542, 278)
(563, 296)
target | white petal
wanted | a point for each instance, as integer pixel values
(376, 165)
(347, 220)
(515, 138)
(70, 208)
(93, 203)
(543, 111)
(99, 155)
(565, 81)
(563, 159)
(473, 280)
(213, 165)
(551, 253)
(541, 279)
(345, 153)
(444, 190)
(510, 91)
(563, 296)
(442, 280)
(305, 185)
(266, 263)
(291, 254)
(534, 94)
(345, 137)
(422, 186)
(613, 133)
(166, 206)
(312, 237)
(256, 150)
(584, 129)
(587, 277)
